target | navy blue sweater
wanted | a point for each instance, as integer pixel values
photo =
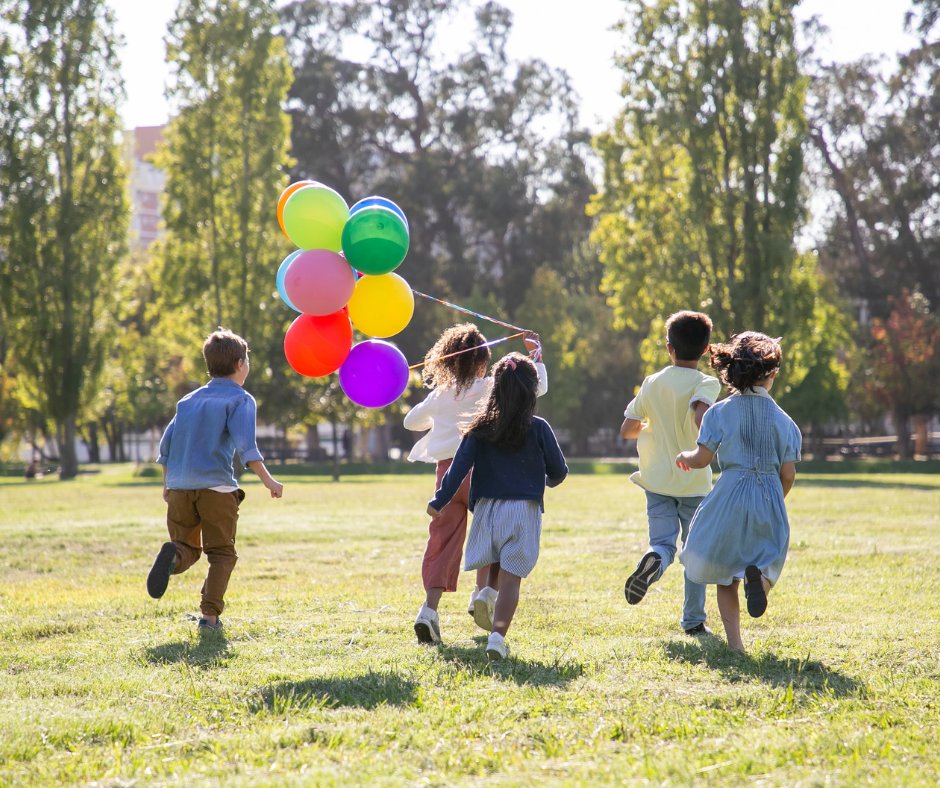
(506, 473)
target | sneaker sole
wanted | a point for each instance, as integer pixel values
(425, 633)
(639, 582)
(481, 615)
(754, 592)
(159, 577)
(494, 656)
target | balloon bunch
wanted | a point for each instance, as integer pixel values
(340, 277)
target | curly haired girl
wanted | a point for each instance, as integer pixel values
(740, 529)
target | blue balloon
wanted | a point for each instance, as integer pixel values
(281, 273)
(381, 202)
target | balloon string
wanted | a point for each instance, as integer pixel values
(469, 311)
(467, 350)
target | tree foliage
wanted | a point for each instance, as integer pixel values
(701, 197)
(64, 212)
(483, 152)
(224, 156)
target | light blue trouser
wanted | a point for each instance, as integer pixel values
(669, 519)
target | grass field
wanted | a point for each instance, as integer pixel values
(319, 679)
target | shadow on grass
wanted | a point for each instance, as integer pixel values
(807, 674)
(883, 484)
(209, 650)
(521, 671)
(365, 692)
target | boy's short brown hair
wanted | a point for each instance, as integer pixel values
(222, 350)
(689, 334)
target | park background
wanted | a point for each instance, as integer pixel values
(740, 172)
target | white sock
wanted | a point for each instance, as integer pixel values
(495, 638)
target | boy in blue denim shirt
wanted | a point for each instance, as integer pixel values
(197, 453)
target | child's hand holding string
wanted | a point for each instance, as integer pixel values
(533, 344)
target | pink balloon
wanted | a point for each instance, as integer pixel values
(319, 282)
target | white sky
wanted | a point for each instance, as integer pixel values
(580, 42)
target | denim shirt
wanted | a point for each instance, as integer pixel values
(199, 444)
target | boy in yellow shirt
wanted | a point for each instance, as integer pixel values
(664, 417)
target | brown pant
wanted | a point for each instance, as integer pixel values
(446, 534)
(204, 521)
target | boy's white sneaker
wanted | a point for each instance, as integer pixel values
(428, 625)
(484, 606)
(496, 648)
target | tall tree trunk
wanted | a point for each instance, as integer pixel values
(921, 438)
(68, 460)
(902, 425)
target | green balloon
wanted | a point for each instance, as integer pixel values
(314, 217)
(375, 240)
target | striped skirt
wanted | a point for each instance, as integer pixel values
(505, 532)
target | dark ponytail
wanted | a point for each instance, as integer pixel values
(747, 359)
(505, 417)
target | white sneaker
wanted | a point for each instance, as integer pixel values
(473, 598)
(483, 608)
(496, 648)
(428, 625)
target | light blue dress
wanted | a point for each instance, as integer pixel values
(743, 520)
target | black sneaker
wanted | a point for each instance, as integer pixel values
(163, 565)
(645, 573)
(754, 592)
(698, 629)
(205, 627)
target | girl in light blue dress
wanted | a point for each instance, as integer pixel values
(740, 529)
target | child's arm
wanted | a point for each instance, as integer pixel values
(700, 458)
(421, 416)
(166, 492)
(631, 428)
(787, 476)
(276, 488)
(699, 409)
(556, 469)
(456, 473)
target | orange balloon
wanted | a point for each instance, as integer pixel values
(283, 199)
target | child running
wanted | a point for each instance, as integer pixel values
(514, 455)
(455, 371)
(197, 452)
(741, 528)
(664, 417)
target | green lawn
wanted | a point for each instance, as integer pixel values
(319, 679)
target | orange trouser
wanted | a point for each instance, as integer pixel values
(204, 521)
(446, 534)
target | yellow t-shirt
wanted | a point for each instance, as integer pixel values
(664, 403)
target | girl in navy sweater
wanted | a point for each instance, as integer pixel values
(514, 455)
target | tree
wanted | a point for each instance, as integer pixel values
(224, 157)
(701, 198)
(903, 364)
(876, 133)
(64, 212)
(484, 154)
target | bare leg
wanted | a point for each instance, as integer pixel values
(507, 601)
(434, 597)
(488, 576)
(729, 606)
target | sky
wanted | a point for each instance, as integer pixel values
(581, 43)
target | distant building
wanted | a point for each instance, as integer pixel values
(146, 185)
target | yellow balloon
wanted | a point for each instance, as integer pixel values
(381, 306)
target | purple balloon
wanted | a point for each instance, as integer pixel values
(374, 374)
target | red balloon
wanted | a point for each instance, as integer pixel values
(316, 345)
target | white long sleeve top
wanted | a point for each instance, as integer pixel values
(445, 415)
